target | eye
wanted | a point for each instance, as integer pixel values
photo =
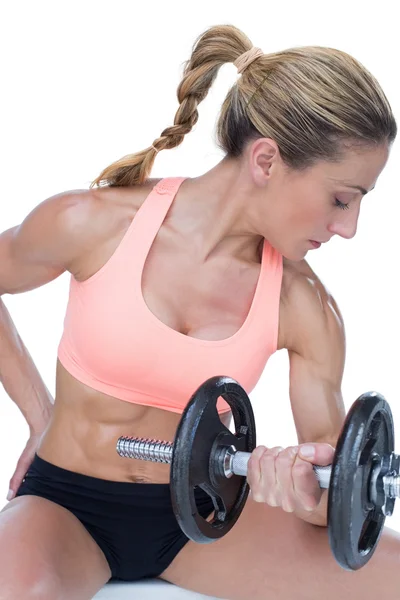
(341, 205)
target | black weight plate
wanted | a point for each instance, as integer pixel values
(199, 438)
(354, 522)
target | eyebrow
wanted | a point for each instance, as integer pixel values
(359, 188)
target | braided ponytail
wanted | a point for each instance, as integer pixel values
(217, 46)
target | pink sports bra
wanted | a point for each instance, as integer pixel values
(113, 343)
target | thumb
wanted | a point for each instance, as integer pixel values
(318, 454)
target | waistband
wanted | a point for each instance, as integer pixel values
(45, 470)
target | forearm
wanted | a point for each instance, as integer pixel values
(20, 377)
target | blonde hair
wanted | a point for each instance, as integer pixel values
(312, 100)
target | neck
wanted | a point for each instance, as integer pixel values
(218, 211)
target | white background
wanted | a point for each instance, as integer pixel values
(87, 82)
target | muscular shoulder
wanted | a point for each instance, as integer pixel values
(59, 226)
(310, 317)
(70, 227)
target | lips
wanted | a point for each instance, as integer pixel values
(315, 244)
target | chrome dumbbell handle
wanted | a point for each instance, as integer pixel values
(234, 463)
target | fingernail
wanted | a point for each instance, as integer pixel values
(10, 495)
(307, 451)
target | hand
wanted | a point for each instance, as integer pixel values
(285, 477)
(24, 463)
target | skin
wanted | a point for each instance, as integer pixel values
(212, 232)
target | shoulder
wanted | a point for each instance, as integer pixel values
(90, 209)
(62, 227)
(54, 216)
(58, 220)
(82, 218)
(310, 316)
(74, 230)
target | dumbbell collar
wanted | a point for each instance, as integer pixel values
(385, 482)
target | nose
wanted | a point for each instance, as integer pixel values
(346, 225)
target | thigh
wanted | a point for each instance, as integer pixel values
(45, 552)
(273, 555)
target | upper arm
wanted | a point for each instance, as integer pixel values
(45, 244)
(316, 346)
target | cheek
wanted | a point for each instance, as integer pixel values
(309, 216)
(301, 219)
(301, 214)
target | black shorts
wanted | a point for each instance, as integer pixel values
(132, 523)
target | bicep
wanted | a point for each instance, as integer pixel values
(316, 358)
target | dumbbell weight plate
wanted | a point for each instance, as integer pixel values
(354, 522)
(199, 438)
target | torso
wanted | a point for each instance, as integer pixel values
(86, 423)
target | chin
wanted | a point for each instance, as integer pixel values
(294, 256)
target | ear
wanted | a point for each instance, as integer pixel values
(263, 155)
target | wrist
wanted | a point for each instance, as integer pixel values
(318, 516)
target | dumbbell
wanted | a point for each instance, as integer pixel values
(363, 480)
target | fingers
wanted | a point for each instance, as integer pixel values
(269, 476)
(269, 483)
(285, 477)
(285, 462)
(23, 465)
(15, 482)
(254, 474)
(16, 479)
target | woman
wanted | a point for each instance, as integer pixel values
(178, 280)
